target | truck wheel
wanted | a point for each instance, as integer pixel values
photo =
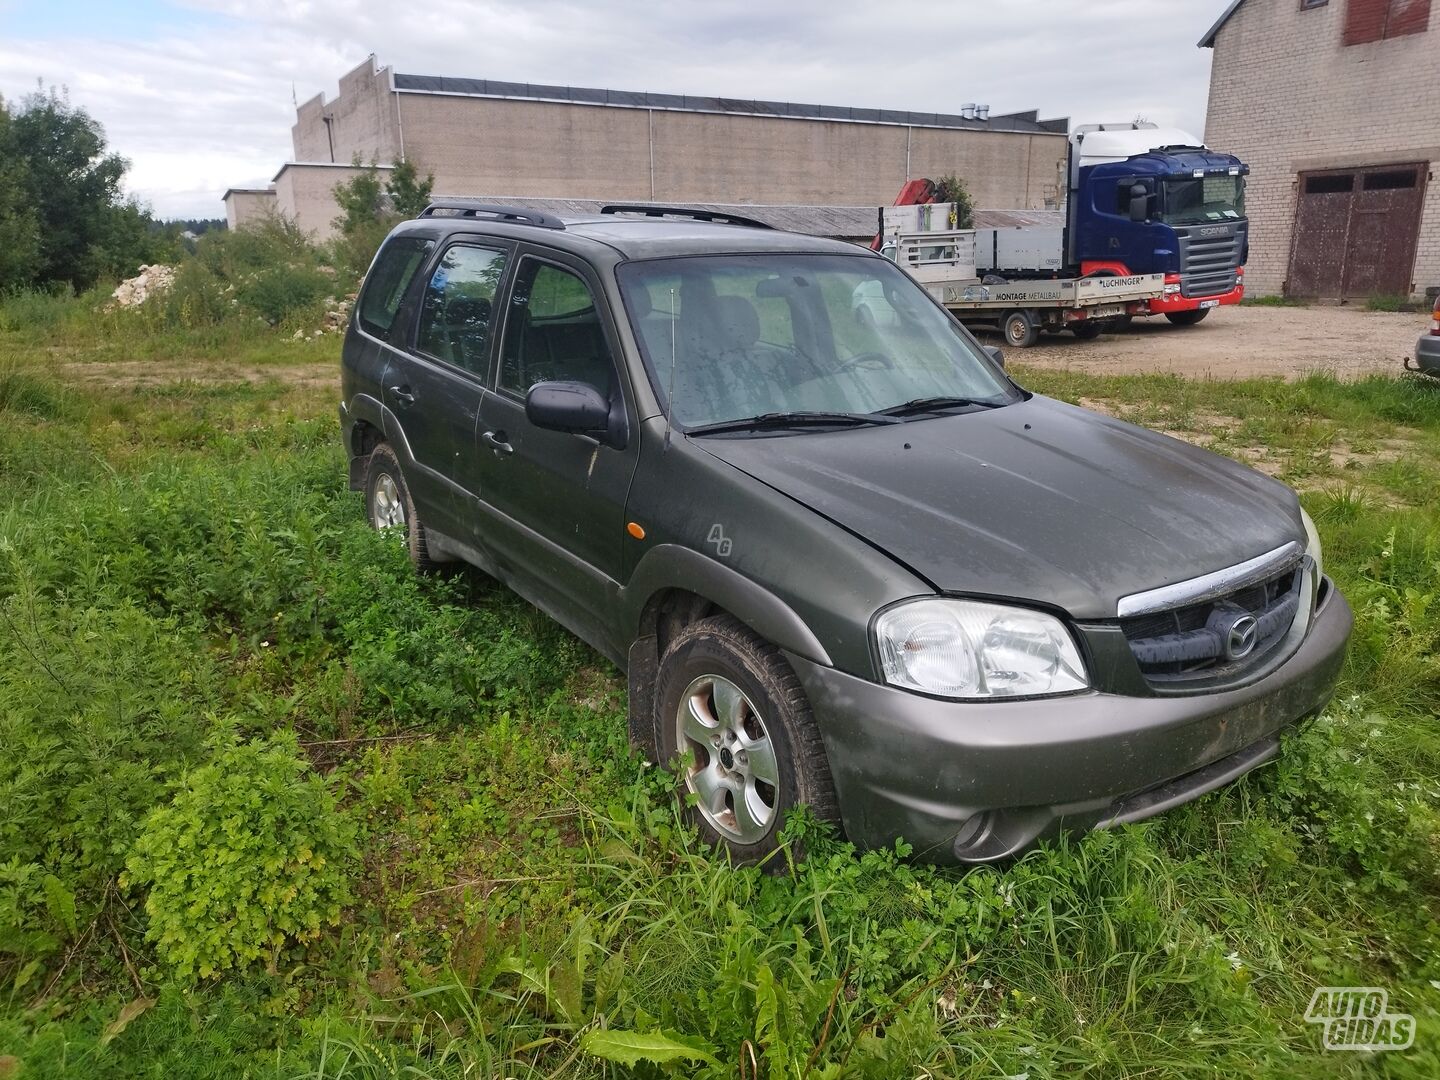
(1187, 318)
(1087, 329)
(388, 505)
(1020, 330)
(734, 720)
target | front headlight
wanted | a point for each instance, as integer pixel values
(966, 649)
(1312, 543)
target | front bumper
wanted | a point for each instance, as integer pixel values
(1164, 305)
(976, 782)
(1427, 355)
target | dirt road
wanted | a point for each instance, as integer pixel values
(1241, 342)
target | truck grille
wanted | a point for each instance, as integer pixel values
(1191, 643)
(1210, 258)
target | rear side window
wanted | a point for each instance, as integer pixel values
(386, 284)
(457, 312)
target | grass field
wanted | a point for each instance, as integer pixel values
(219, 687)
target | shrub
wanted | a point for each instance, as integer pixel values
(249, 856)
(282, 290)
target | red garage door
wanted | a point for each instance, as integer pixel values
(1356, 231)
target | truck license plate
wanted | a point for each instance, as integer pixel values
(1104, 310)
(1209, 304)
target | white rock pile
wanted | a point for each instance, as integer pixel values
(134, 291)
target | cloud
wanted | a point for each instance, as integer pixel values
(201, 98)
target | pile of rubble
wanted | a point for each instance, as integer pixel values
(337, 315)
(134, 291)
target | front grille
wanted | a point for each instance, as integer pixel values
(1210, 258)
(1192, 643)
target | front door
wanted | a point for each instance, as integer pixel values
(555, 502)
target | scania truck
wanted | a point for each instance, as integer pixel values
(1142, 201)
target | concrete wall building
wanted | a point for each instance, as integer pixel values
(477, 135)
(1335, 105)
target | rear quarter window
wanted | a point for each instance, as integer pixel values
(387, 281)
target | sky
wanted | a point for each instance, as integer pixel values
(199, 94)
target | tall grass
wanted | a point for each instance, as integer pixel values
(180, 566)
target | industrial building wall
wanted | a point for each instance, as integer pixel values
(247, 207)
(362, 121)
(306, 195)
(588, 151)
(1289, 97)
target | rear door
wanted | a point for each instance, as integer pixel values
(446, 370)
(555, 502)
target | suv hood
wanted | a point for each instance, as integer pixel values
(1038, 501)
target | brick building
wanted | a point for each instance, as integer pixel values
(481, 137)
(1335, 105)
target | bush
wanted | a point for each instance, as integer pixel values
(250, 856)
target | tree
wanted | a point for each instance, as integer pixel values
(369, 209)
(408, 193)
(19, 224)
(951, 189)
(83, 226)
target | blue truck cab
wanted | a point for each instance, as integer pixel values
(1148, 200)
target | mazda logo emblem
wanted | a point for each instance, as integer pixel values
(1240, 641)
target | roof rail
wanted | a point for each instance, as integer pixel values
(720, 217)
(474, 208)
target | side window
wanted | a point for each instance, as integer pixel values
(455, 314)
(387, 281)
(553, 332)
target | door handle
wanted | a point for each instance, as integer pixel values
(403, 395)
(496, 441)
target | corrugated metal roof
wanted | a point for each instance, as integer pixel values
(845, 222)
(1026, 122)
(1015, 219)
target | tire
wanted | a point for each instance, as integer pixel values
(1087, 329)
(721, 694)
(388, 505)
(1187, 318)
(1020, 330)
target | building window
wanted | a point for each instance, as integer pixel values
(1306, 5)
(1376, 20)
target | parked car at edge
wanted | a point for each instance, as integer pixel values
(846, 565)
(1427, 349)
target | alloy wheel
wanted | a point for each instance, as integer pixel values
(387, 509)
(729, 759)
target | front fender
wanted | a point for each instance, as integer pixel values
(671, 566)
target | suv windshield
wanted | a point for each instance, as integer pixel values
(1196, 200)
(738, 336)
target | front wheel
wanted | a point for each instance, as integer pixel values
(734, 720)
(1020, 330)
(1187, 318)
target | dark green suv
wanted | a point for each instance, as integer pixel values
(844, 564)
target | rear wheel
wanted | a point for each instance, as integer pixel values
(1020, 330)
(1087, 329)
(388, 506)
(734, 719)
(1187, 318)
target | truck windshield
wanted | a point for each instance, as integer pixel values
(1195, 200)
(740, 336)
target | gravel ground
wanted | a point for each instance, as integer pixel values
(1241, 342)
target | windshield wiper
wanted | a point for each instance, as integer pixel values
(792, 419)
(938, 404)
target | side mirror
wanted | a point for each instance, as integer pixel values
(1139, 203)
(997, 354)
(575, 407)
